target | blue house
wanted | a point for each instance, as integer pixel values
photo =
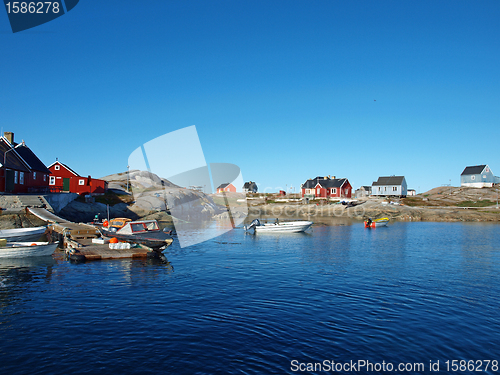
(478, 176)
(390, 186)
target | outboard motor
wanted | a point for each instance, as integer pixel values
(253, 224)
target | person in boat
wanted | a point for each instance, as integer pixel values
(277, 221)
(369, 221)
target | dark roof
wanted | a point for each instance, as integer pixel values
(325, 183)
(391, 180)
(30, 158)
(11, 158)
(367, 187)
(249, 185)
(476, 169)
(222, 186)
(65, 166)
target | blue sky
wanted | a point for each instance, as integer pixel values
(286, 90)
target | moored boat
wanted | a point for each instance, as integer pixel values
(27, 249)
(22, 234)
(279, 227)
(382, 222)
(144, 232)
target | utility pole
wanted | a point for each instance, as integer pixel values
(128, 176)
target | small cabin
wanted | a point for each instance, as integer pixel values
(478, 176)
(227, 187)
(390, 186)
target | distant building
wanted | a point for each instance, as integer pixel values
(282, 193)
(411, 192)
(21, 171)
(227, 187)
(326, 187)
(363, 191)
(65, 179)
(390, 186)
(250, 187)
(478, 176)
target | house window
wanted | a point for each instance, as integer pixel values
(484, 176)
(52, 180)
(34, 175)
(21, 178)
(334, 191)
(45, 177)
(394, 188)
(81, 182)
(318, 191)
(15, 176)
(472, 177)
(385, 188)
(57, 167)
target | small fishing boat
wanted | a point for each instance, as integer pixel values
(144, 232)
(27, 249)
(22, 234)
(278, 227)
(382, 222)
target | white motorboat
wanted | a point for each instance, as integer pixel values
(279, 227)
(27, 249)
(22, 234)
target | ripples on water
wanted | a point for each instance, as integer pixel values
(412, 292)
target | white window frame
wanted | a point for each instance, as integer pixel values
(57, 167)
(318, 191)
(52, 180)
(81, 182)
(334, 190)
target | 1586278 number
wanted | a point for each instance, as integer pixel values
(479, 365)
(33, 7)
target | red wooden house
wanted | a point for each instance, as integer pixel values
(326, 187)
(226, 187)
(65, 179)
(21, 170)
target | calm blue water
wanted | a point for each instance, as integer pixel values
(243, 304)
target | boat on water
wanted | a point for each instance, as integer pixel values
(144, 232)
(278, 227)
(382, 222)
(22, 234)
(27, 249)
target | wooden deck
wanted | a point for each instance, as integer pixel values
(77, 240)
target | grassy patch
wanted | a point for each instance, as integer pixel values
(481, 203)
(110, 198)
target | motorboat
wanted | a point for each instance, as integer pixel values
(278, 227)
(382, 222)
(144, 232)
(22, 234)
(27, 249)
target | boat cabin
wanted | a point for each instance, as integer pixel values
(134, 227)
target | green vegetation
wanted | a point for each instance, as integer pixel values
(110, 198)
(481, 203)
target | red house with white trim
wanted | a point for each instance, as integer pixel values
(226, 187)
(326, 187)
(21, 171)
(65, 179)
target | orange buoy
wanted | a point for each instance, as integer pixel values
(105, 223)
(33, 244)
(113, 240)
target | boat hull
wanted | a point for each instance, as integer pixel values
(154, 240)
(376, 224)
(25, 249)
(292, 227)
(22, 234)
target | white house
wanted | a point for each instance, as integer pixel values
(390, 186)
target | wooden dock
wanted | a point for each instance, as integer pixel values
(77, 240)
